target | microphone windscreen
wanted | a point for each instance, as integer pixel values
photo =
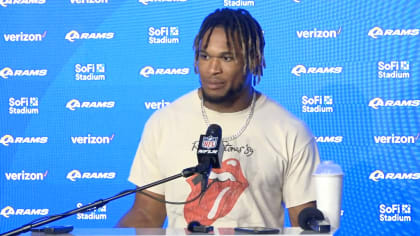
(192, 225)
(214, 130)
(308, 214)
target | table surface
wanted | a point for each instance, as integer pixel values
(167, 231)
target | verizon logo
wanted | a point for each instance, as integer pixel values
(24, 37)
(89, 139)
(25, 176)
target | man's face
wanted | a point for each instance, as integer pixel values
(221, 72)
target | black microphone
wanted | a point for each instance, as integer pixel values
(312, 219)
(209, 153)
(196, 227)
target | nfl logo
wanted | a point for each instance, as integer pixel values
(209, 142)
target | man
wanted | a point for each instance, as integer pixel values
(269, 155)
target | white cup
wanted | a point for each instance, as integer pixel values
(329, 186)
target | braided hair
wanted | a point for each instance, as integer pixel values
(239, 27)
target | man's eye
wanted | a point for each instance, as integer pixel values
(204, 56)
(227, 58)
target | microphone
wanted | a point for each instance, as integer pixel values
(209, 153)
(196, 227)
(311, 218)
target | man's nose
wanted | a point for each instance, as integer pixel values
(215, 66)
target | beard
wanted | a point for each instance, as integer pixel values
(229, 96)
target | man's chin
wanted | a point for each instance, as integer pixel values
(213, 98)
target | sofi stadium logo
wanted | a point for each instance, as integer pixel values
(10, 211)
(377, 32)
(395, 212)
(73, 35)
(97, 214)
(301, 69)
(77, 175)
(23, 105)
(317, 104)
(148, 71)
(74, 104)
(26, 176)
(8, 139)
(89, 139)
(316, 33)
(89, 72)
(7, 73)
(146, 2)
(379, 175)
(88, 1)
(394, 69)
(396, 139)
(24, 37)
(163, 35)
(238, 3)
(377, 103)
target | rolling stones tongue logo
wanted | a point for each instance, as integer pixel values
(225, 186)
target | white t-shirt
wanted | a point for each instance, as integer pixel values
(269, 164)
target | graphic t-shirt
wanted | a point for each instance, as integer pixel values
(271, 163)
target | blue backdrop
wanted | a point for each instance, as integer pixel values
(79, 78)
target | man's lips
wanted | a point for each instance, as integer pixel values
(225, 187)
(214, 84)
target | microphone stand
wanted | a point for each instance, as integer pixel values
(97, 204)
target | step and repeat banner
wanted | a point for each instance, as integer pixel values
(79, 79)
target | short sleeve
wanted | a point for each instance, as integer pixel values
(145, 167)
(298, 187)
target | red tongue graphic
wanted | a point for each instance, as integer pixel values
(219, 198)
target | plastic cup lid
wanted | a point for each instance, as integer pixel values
(328, 168)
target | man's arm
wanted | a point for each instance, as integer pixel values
(294, 212)
(145, 212)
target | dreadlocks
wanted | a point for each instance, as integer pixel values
(240, 27)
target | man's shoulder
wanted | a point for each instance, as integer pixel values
(180, 105)
(276, 111)
(186, 100)
(278, 116)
